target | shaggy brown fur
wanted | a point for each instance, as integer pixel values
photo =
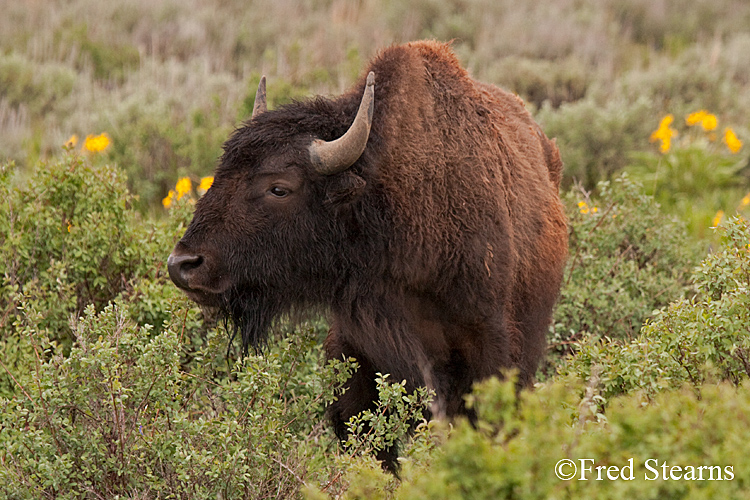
(439, 252)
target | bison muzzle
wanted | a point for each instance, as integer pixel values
(421, 209)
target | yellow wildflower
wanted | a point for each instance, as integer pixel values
(183, 187)
(709, 122)
(72, 141)
(745, 201)
(730, 138)
(695, 118)
(167, 201)
(717, 218)
(706, 120)
(584, 208)
(96, 143)
(664, 133)
(205, 184)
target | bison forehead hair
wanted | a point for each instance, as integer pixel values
(420, 208)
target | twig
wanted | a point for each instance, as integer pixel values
(333, 481)
(184, 320)
(17, 382)
(302, 481)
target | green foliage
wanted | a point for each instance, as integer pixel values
(395, 420)
(540, 81)
(379, 429)
(595, 139)
(121, 415)
(696, 178)
(627, 258)
(113, 383)
(39, 88)
(154, 149)
(693, 341)
(70, 238)
(513, 453)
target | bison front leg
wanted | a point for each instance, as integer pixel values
(360, 394)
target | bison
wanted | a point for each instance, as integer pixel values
(420, 208)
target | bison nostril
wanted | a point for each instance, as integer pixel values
(180, 266)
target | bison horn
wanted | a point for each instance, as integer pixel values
(260, 98)
(338, 155)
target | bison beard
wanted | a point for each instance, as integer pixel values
(422, 210)
(251, 316)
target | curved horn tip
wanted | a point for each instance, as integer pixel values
(338, 155)
(259, 106)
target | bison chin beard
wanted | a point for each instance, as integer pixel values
(250, 315)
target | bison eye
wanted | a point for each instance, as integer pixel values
(278, 192)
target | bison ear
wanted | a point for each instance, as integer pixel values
(344, 188)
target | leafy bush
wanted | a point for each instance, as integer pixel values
(154, 148)
(594, 138)
(692, 341)
(124, 414)
(697, 173)
(539, 81)
(113, 383)
(627, 258)
(375, 430)
(70, 238)
(514, 451)
(38, 87)
(121, 415)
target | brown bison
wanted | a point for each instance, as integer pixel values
(421, 208)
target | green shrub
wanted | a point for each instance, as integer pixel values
(357, 474)
(121, 415)
(39, 87)
(113, 383)
(379, 429)
(133, 412)
(538, 81)
(70, 237)
(698, 176)
(627, 258)
(594, 138)
(154, 147)
(514, 451)
(692, 341)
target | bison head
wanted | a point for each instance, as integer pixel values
(267, 235)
